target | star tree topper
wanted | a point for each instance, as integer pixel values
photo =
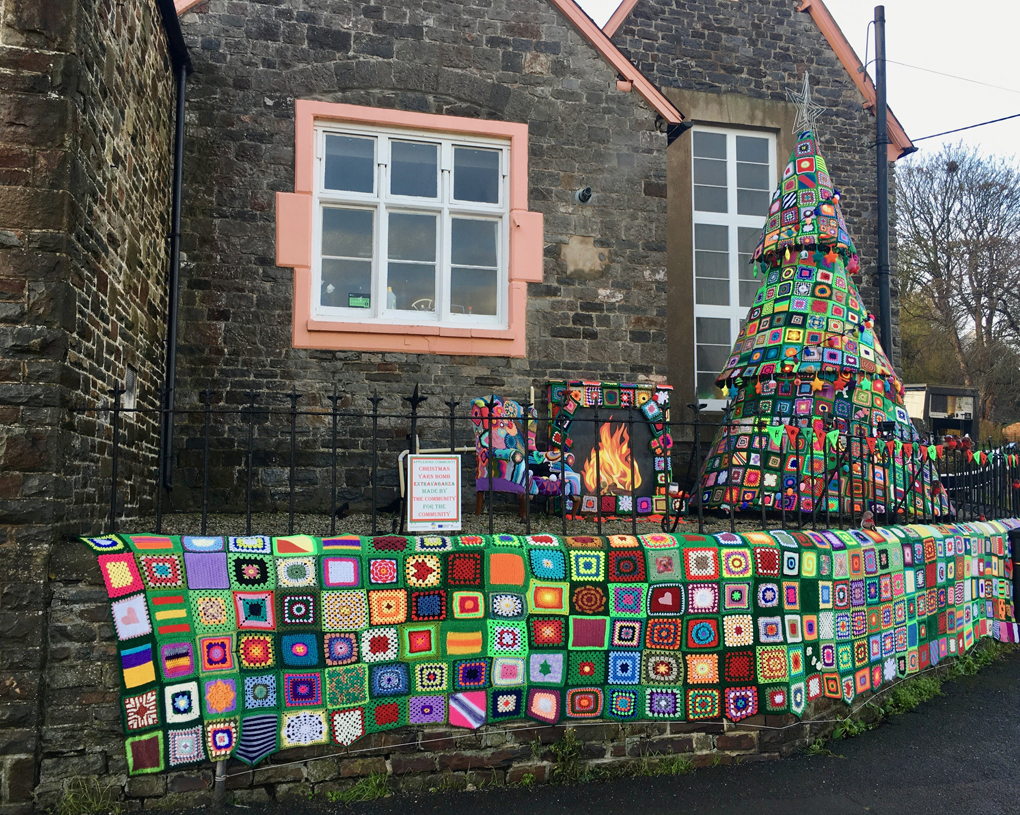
(807, 110)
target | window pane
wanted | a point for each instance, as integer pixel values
(712, 330)
(473, 242)
(747, 239)
(709, 145)
(748, 289)
(476, 175)
(709, 171)
(347, 232)
(346, 283)
(709, 292)
(711, 264)
(707, 388)
(473, 291)
(412, 237)
(752, 148)
(712, 357)
(413, 168)
(709, 199)
(411, 286)
(350, 164)
(753, 176)
(711, 236)
(745, 270)
(752, 202)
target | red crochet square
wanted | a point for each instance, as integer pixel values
(626, 566)
(387, 714)
(766, 561)
(739, 666)
(465, 569)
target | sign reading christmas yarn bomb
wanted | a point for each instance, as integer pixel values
(433, 493)
(263, 644)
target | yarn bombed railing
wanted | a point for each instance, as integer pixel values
(242, 646)
(256, 452)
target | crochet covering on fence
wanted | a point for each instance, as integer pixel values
(243, 646)
(816, 417)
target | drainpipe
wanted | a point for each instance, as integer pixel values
(181, 62)
(882, 167)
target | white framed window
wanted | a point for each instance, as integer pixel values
(410, 228)
(733, 175)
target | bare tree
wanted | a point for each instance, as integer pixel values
(958, 217)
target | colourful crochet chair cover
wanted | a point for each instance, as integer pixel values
(499, 439)
(812, 393)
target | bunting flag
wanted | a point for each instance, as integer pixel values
(775, 433)
(807, 359)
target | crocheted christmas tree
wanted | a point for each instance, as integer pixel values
(815, 419)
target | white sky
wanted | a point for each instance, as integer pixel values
(974, 40)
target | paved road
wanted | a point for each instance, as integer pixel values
(959, 753)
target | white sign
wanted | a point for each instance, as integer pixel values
(433, 493)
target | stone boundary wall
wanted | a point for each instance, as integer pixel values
(419, 761)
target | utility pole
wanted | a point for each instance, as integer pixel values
(882, 167)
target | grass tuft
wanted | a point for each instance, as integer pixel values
(567, 750)
(819, 747)
(87, 795)
(368, 788)
(674, 765)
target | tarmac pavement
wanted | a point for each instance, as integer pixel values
(958, 753)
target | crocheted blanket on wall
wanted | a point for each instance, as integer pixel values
(243, 646)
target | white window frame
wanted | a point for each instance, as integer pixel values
(734, 312)
(382, 202)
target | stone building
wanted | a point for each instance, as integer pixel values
(375, 195)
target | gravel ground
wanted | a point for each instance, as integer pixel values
(504, 521)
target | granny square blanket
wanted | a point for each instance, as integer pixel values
(242, 646)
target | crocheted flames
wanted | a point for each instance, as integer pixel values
(816, 416)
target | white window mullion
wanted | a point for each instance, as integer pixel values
(443, 297)
(443, 265)
(503, 310)
(731, 229)
(379, 284)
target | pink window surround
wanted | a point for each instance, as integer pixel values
(295, 213)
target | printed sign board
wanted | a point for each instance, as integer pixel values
(433, 493)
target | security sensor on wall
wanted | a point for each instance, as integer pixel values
(583, 196)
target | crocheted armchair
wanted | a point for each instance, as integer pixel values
(501, 452)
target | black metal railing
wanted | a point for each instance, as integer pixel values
(250, 451)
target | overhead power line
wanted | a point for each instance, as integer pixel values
(968, 127)
(953, 76)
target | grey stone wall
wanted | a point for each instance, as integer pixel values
(760, 50)
(85, 98)
(514, 60)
